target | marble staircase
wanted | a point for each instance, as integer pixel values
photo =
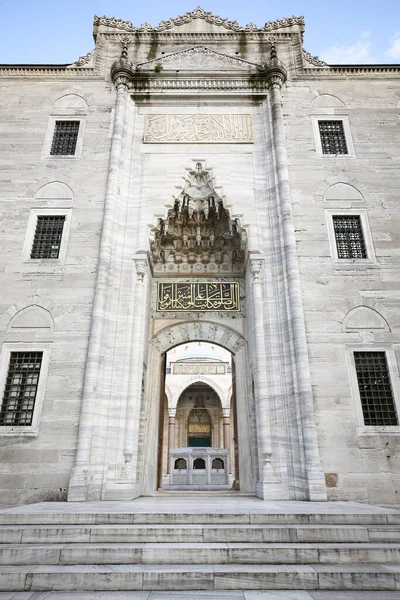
(205, 544)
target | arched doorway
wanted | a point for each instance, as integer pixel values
(197, 409)
(219, 335)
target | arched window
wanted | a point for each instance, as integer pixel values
(218, 464)
(180, 464)
(199, 428)
(199, 463)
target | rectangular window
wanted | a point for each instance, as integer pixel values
(333, 140)
(349, 236)
(21, 388)
(65, 137)
(48, 234)
(376, 394)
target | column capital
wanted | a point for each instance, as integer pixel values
(122, 70)
(255, 267)
(172, 412)
(226, 413)
(275, 72)
(141, 266)
(121, 73)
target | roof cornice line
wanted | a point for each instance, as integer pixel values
(198, 13)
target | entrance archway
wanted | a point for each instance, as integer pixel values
(168, 338)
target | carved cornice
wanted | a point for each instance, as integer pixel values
(314, 60)
(161, 84)
(357, 71)
(198, 13)
(84, 60)
(55, 72)
(197, 37)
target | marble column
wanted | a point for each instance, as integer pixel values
(276, 76)
(171, 432)
(85, 469)
(227, 428)
(131, 436)
(265, 471)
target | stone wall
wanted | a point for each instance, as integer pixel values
(359, 465)
(274, 398)
(38, 468)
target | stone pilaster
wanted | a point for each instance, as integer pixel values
(276, 76)
(87, 476)
(131, 437)
(227, 428)
(171, 433)
(266, 474)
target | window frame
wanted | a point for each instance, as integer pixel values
(347, 134)
(369, 246)
(50, 133)
(31, 229)
(8, 347)
(393, 370)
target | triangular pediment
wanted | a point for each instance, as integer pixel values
(198, 58)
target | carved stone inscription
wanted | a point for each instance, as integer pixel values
(198, 369)
(189, 129)
(198, 296)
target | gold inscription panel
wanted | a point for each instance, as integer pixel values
(189, 129)
(178, 296)
(199, 369)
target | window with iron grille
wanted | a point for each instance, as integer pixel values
(333, 140)
(65, 137)
(48, 234)
(349, 236)
(376, 394)
(21, 388)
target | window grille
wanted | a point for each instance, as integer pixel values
(21, 388)
(333, 140)
(48, 234)
(376, 393)
(64, 138)
(349, 237)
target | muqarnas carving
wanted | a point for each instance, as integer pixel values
(198, 235)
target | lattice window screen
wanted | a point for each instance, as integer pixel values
(21, 388)
(65, 138)
(48, 234)
(376, 392)
(349, 237)
(333, 140)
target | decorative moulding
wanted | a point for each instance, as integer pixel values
(198, 13)
(199, 58)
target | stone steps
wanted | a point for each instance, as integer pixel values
(155, 546)
(199, 533)
(200, 577)
(191, 554)
(217, 517)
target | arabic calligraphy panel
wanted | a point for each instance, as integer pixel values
(198, 369)
(189, 129)
(178, 296)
